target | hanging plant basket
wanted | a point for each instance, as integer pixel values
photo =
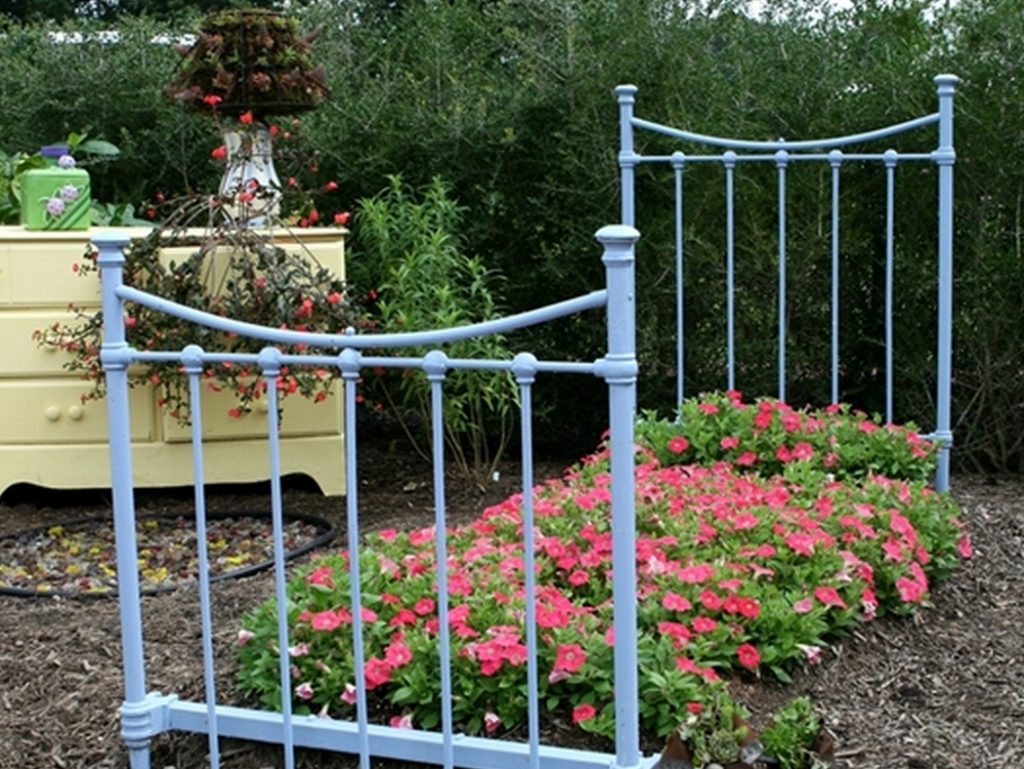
(249, 61)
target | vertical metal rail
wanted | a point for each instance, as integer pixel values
(781, 161)
(116, 356)
(890, 259)
(524, 368)
(835, 159)
(729, 161)
(627, 156)
(350, 364)
(192, 360)
(619, 369)
(269, 362)
(435, 364)
(945, 157)
(678, 161)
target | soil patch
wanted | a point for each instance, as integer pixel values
(78, 558)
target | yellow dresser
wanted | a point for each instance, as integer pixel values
(50, 438)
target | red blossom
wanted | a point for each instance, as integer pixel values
(424, 606)
(377, 671)
(570, 658)
(321, 576)
(246, 118)
(703, 624)
(583, 712)
(219, 153)
(678, 445)
(829, 596)
(397, 654)
(675, 602)
(325, 620)
(748, 656)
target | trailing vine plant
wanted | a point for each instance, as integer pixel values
(227, 269)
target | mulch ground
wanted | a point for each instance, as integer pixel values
(943, 690)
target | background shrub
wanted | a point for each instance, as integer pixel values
(510, 102)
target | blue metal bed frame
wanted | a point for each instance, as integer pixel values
(146, 714)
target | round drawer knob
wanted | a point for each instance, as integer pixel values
(75, 412)
(262, 407)
(52, 413)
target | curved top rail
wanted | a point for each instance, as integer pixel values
(811, 144)
(590, 301)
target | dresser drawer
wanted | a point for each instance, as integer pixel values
(20, 355)
(49, 411)
(301, 417)
(41, 274)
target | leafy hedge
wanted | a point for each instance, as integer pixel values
(511, 104)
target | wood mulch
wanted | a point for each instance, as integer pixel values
(942, 690)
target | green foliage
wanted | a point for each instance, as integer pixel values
(716, 729)
(735, 573)
(792, 733)
(11, 169)
(424, 281)
(771, 438)
(510, 102)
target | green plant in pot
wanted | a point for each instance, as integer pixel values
(244, 67)
(253, 61)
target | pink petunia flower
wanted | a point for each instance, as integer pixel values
(678, 445)
(746, 459)
(711, 600)
(583, 712)
(403, 721)
(377, 672)
(424, 606)
(397, 654)
(803, 606)
(963, 546)
(491, 722)
(675, 602)
(748, 656)
(703, 624)
(570, 658)
(812, 653)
